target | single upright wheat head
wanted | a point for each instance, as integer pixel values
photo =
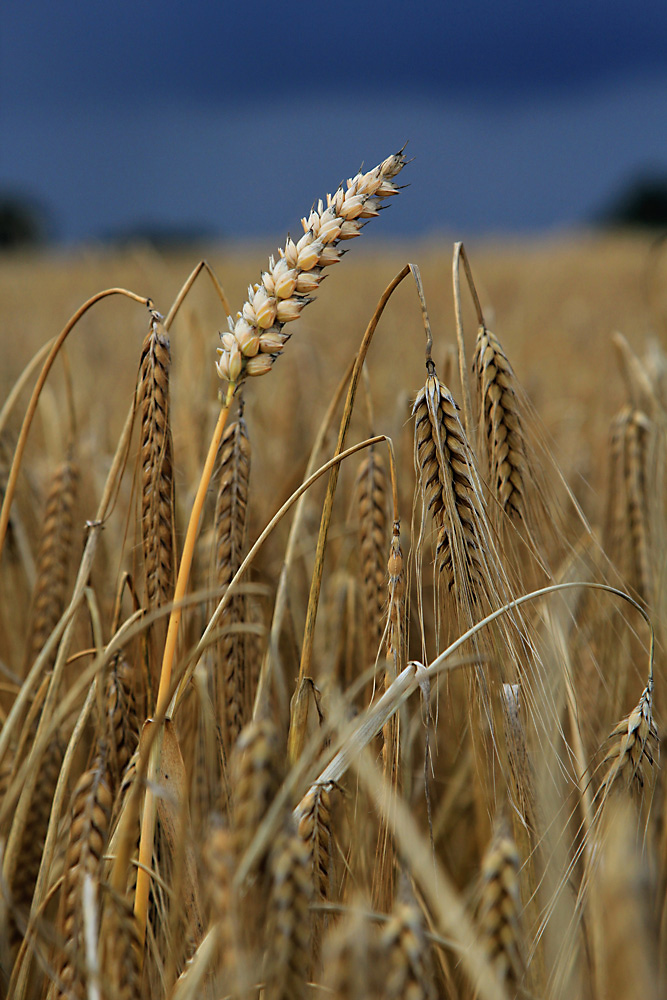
(257, 335)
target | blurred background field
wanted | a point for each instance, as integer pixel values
(554, 304)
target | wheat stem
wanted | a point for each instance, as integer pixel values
(164, 689)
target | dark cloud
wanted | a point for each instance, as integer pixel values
(214, 51)
(520, 115)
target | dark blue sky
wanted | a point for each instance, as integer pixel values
(520, 115)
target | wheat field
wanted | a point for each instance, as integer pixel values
(346, 679)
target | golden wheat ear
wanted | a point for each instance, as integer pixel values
(408, 959)
(157, 474)
(50, 591)
(219, 861)
(500, 905)
(289, 919)
(257, 336)
(157, 478)
(231, 682)
(91, 817)
(315, 831)
(625, 910)
(444, 467)
(371, 497)
(633, 522)
(501, 426)
(632, 745)
(353, 957)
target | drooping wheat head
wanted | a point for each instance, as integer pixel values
(631, 745)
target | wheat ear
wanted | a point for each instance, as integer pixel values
(91, 816)
(230, 530)
(626, 901)
(501, 424)
(157, 475)
(631, 745)
(120, 962)
(31, 845)
(220, 859)
(353, 957)
(444, 470)
(315, 831)
(121, 715)
(50, 590)
(288, 935)
(372, 510)
(257, 335)
(500, 906)
(409, 967)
